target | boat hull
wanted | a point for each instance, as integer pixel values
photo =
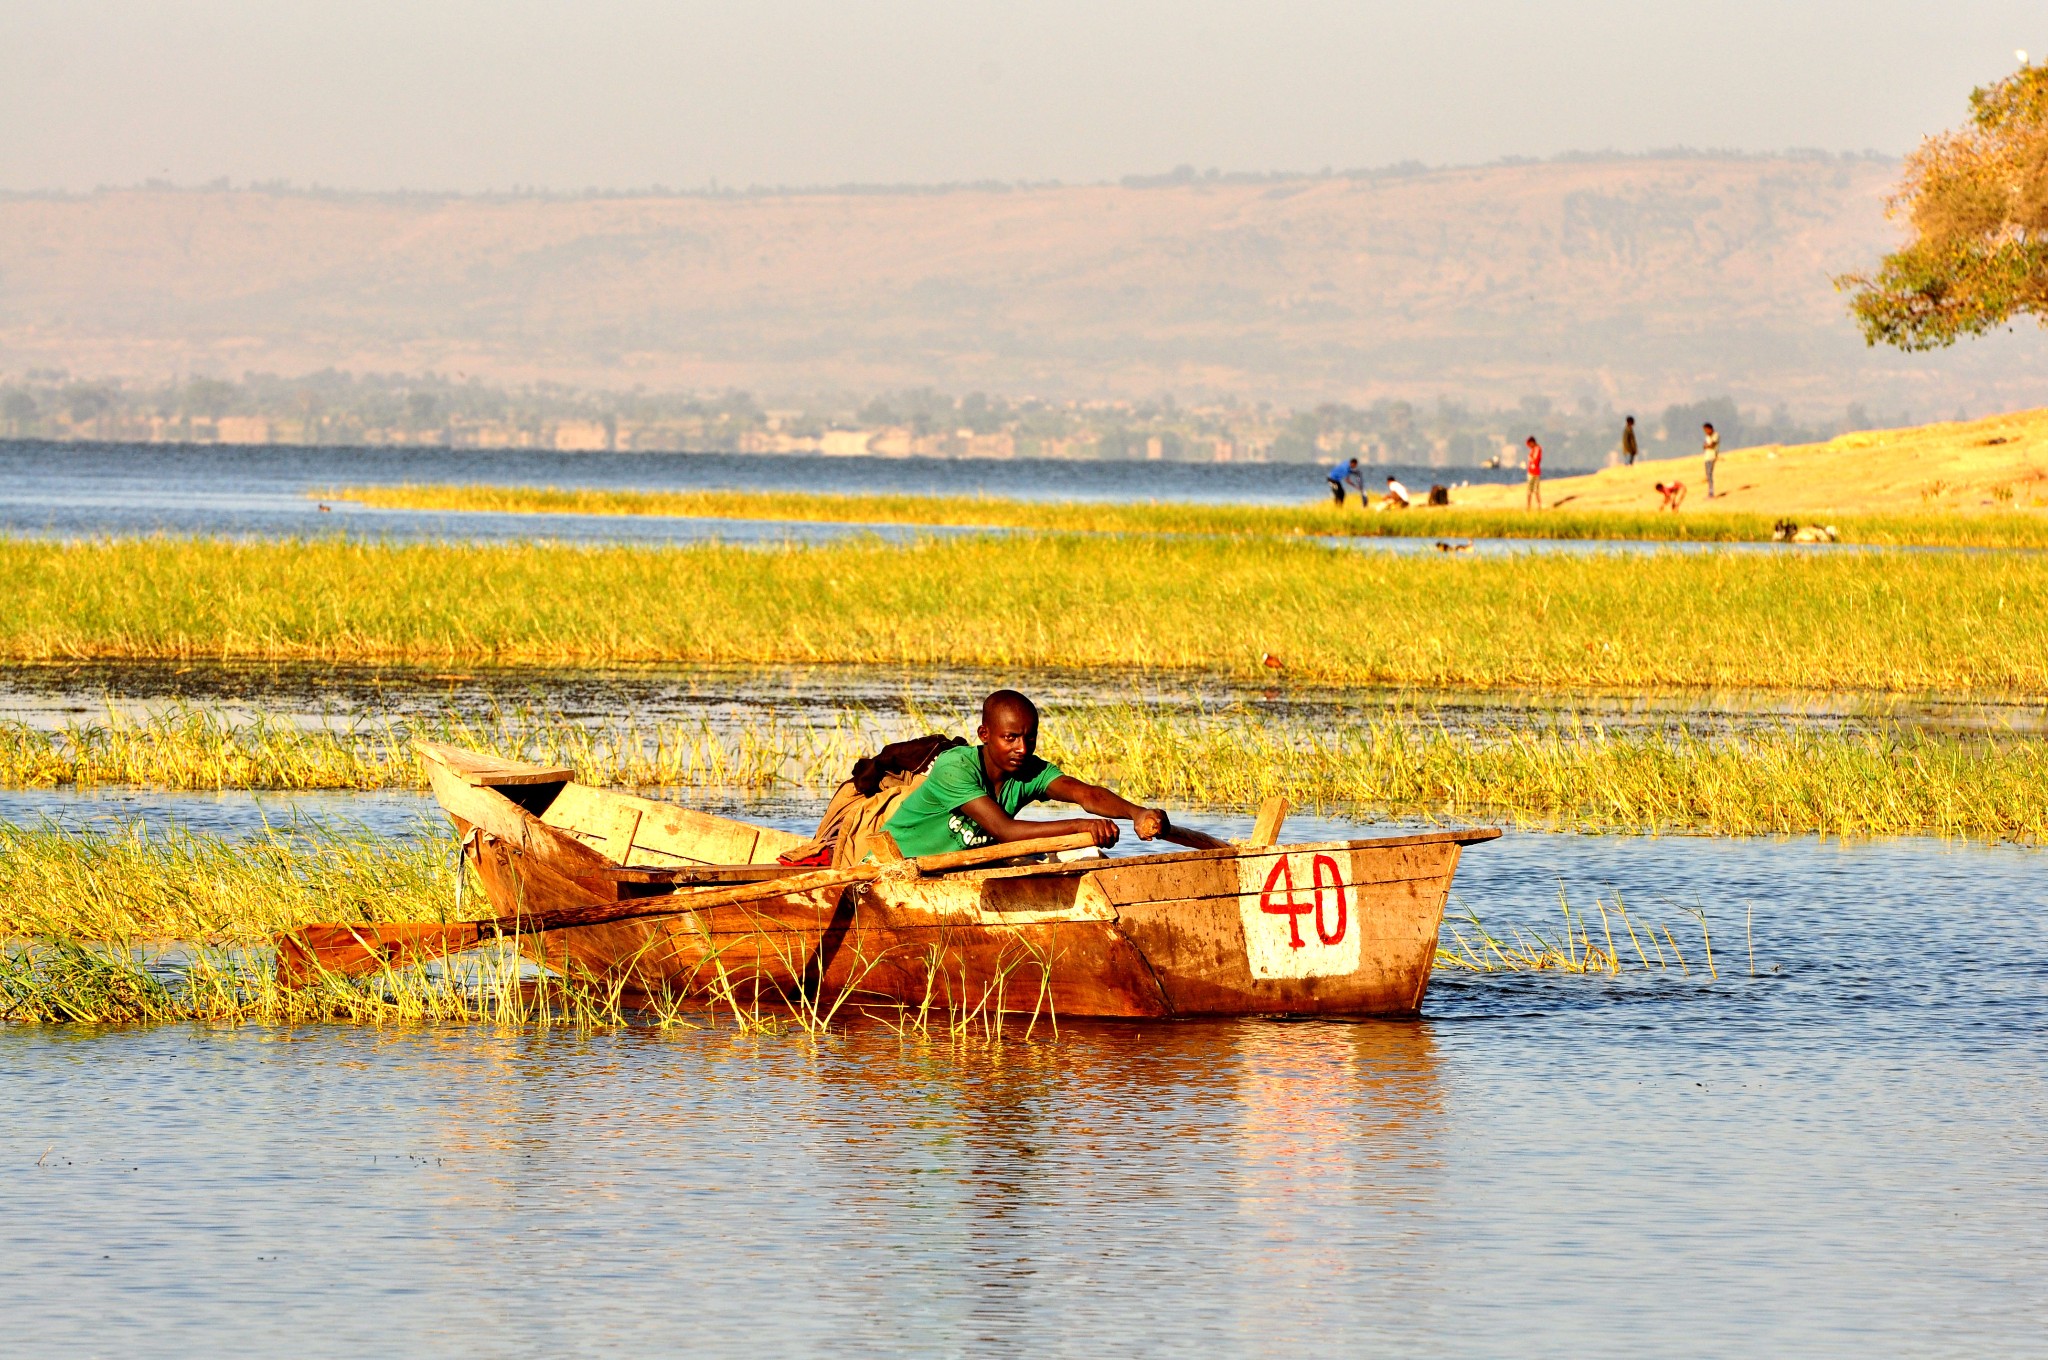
(1338, 928)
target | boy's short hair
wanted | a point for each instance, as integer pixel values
(1007, 700)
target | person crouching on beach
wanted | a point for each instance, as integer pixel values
(1534, 499)
(1343, 475)
(973, 794)
(1397, 497)
(1674, 495)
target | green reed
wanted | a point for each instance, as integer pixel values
(2002, 528)
(1468, 944)
(1572, 774)
(71, 980)
(131, 884)
(1564, 773)
(199, 747)
(1863, 621)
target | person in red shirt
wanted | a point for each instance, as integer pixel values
(1534, 500)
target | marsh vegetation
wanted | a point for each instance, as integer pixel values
(1928, 528)
(130, 927)
(1559, 773)
(1870, 622)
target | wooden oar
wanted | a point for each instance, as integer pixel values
(1193, 839)
(352, 950)
(1266, 830)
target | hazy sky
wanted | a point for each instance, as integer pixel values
(464, 94)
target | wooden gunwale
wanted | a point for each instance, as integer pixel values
(1463, 836)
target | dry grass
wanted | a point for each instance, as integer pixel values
(1871, 622)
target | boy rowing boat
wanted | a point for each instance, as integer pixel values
(973, 794)
(938, 794)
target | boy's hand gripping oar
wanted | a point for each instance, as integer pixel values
(351, 950)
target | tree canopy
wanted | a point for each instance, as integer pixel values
(1977, 203)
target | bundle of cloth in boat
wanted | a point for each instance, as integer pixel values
(869, 798)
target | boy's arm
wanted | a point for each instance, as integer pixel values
(989, 815)
(1147, 822)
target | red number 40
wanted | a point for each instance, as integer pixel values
(1327, 877)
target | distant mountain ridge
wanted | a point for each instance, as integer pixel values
(1631, 281)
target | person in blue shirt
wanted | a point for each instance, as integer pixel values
(1343, 475)
(973, 794)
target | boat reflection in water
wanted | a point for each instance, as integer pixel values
(1252, 1170)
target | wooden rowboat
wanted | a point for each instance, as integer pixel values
(675, 902)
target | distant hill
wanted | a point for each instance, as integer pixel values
(1631, 281)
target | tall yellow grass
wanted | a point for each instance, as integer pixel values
(189, 748)
(1564, 774)
(178, 885)
(1880, 622)
(2003, 527)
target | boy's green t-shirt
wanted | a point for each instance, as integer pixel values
(929, 821)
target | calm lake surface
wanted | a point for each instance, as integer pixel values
(55, 695)
(74, 491)
(89, 490)
(1840, 1154)
(1831, 1145)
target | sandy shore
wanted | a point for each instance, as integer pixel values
(1974, 465)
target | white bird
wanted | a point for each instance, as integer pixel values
(2021, 53)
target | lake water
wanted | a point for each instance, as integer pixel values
(74, 491)
(730, 698)
(1842, 1154)
(87, 490)
(1832, 1147)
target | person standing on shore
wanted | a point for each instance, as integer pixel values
(1710, 447)
(1533, 500)
(1628, 442)
(1343, 475)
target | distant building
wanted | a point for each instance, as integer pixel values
(989, 445)
(495, 436)
(898, 442)
(583, 436)
(242, 430)
(844, 443)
